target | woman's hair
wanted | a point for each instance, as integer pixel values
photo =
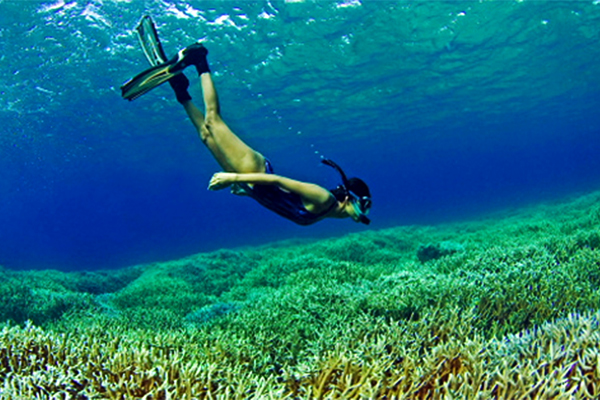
(355, 185)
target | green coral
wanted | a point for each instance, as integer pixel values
(290, 312)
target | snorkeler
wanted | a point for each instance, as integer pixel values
(247, 172)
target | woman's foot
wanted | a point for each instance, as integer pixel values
(180, 84)
(191, 55)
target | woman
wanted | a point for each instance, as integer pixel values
(248, 172)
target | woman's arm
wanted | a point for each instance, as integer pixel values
(315, 196)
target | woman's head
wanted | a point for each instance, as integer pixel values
(357, 193)
(353, 192)
(358, 187)
(354, 185)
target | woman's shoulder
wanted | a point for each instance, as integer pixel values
(327, 203)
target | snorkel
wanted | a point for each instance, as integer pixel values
(361, 205)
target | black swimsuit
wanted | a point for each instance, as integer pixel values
(288, 205)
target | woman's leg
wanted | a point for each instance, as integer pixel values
(229, 150)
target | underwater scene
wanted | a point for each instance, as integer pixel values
(475, 125)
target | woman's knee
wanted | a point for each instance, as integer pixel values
(212, 116)
(205, 133)
(212, 123)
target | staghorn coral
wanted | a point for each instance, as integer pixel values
(508, 316)
(401, 361)
(437, 250)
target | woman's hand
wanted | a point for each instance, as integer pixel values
(221, 180)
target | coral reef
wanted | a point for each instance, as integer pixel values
(437, 250)
(511, 312)
(402, 360)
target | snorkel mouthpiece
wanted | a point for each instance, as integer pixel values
(364, 219)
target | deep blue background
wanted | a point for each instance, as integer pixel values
(442, 127)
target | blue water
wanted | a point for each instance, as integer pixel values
(449, 110)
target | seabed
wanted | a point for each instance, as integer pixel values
(505, 307)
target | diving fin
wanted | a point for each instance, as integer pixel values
(146, 81)
(150, 42)
(155, 76)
